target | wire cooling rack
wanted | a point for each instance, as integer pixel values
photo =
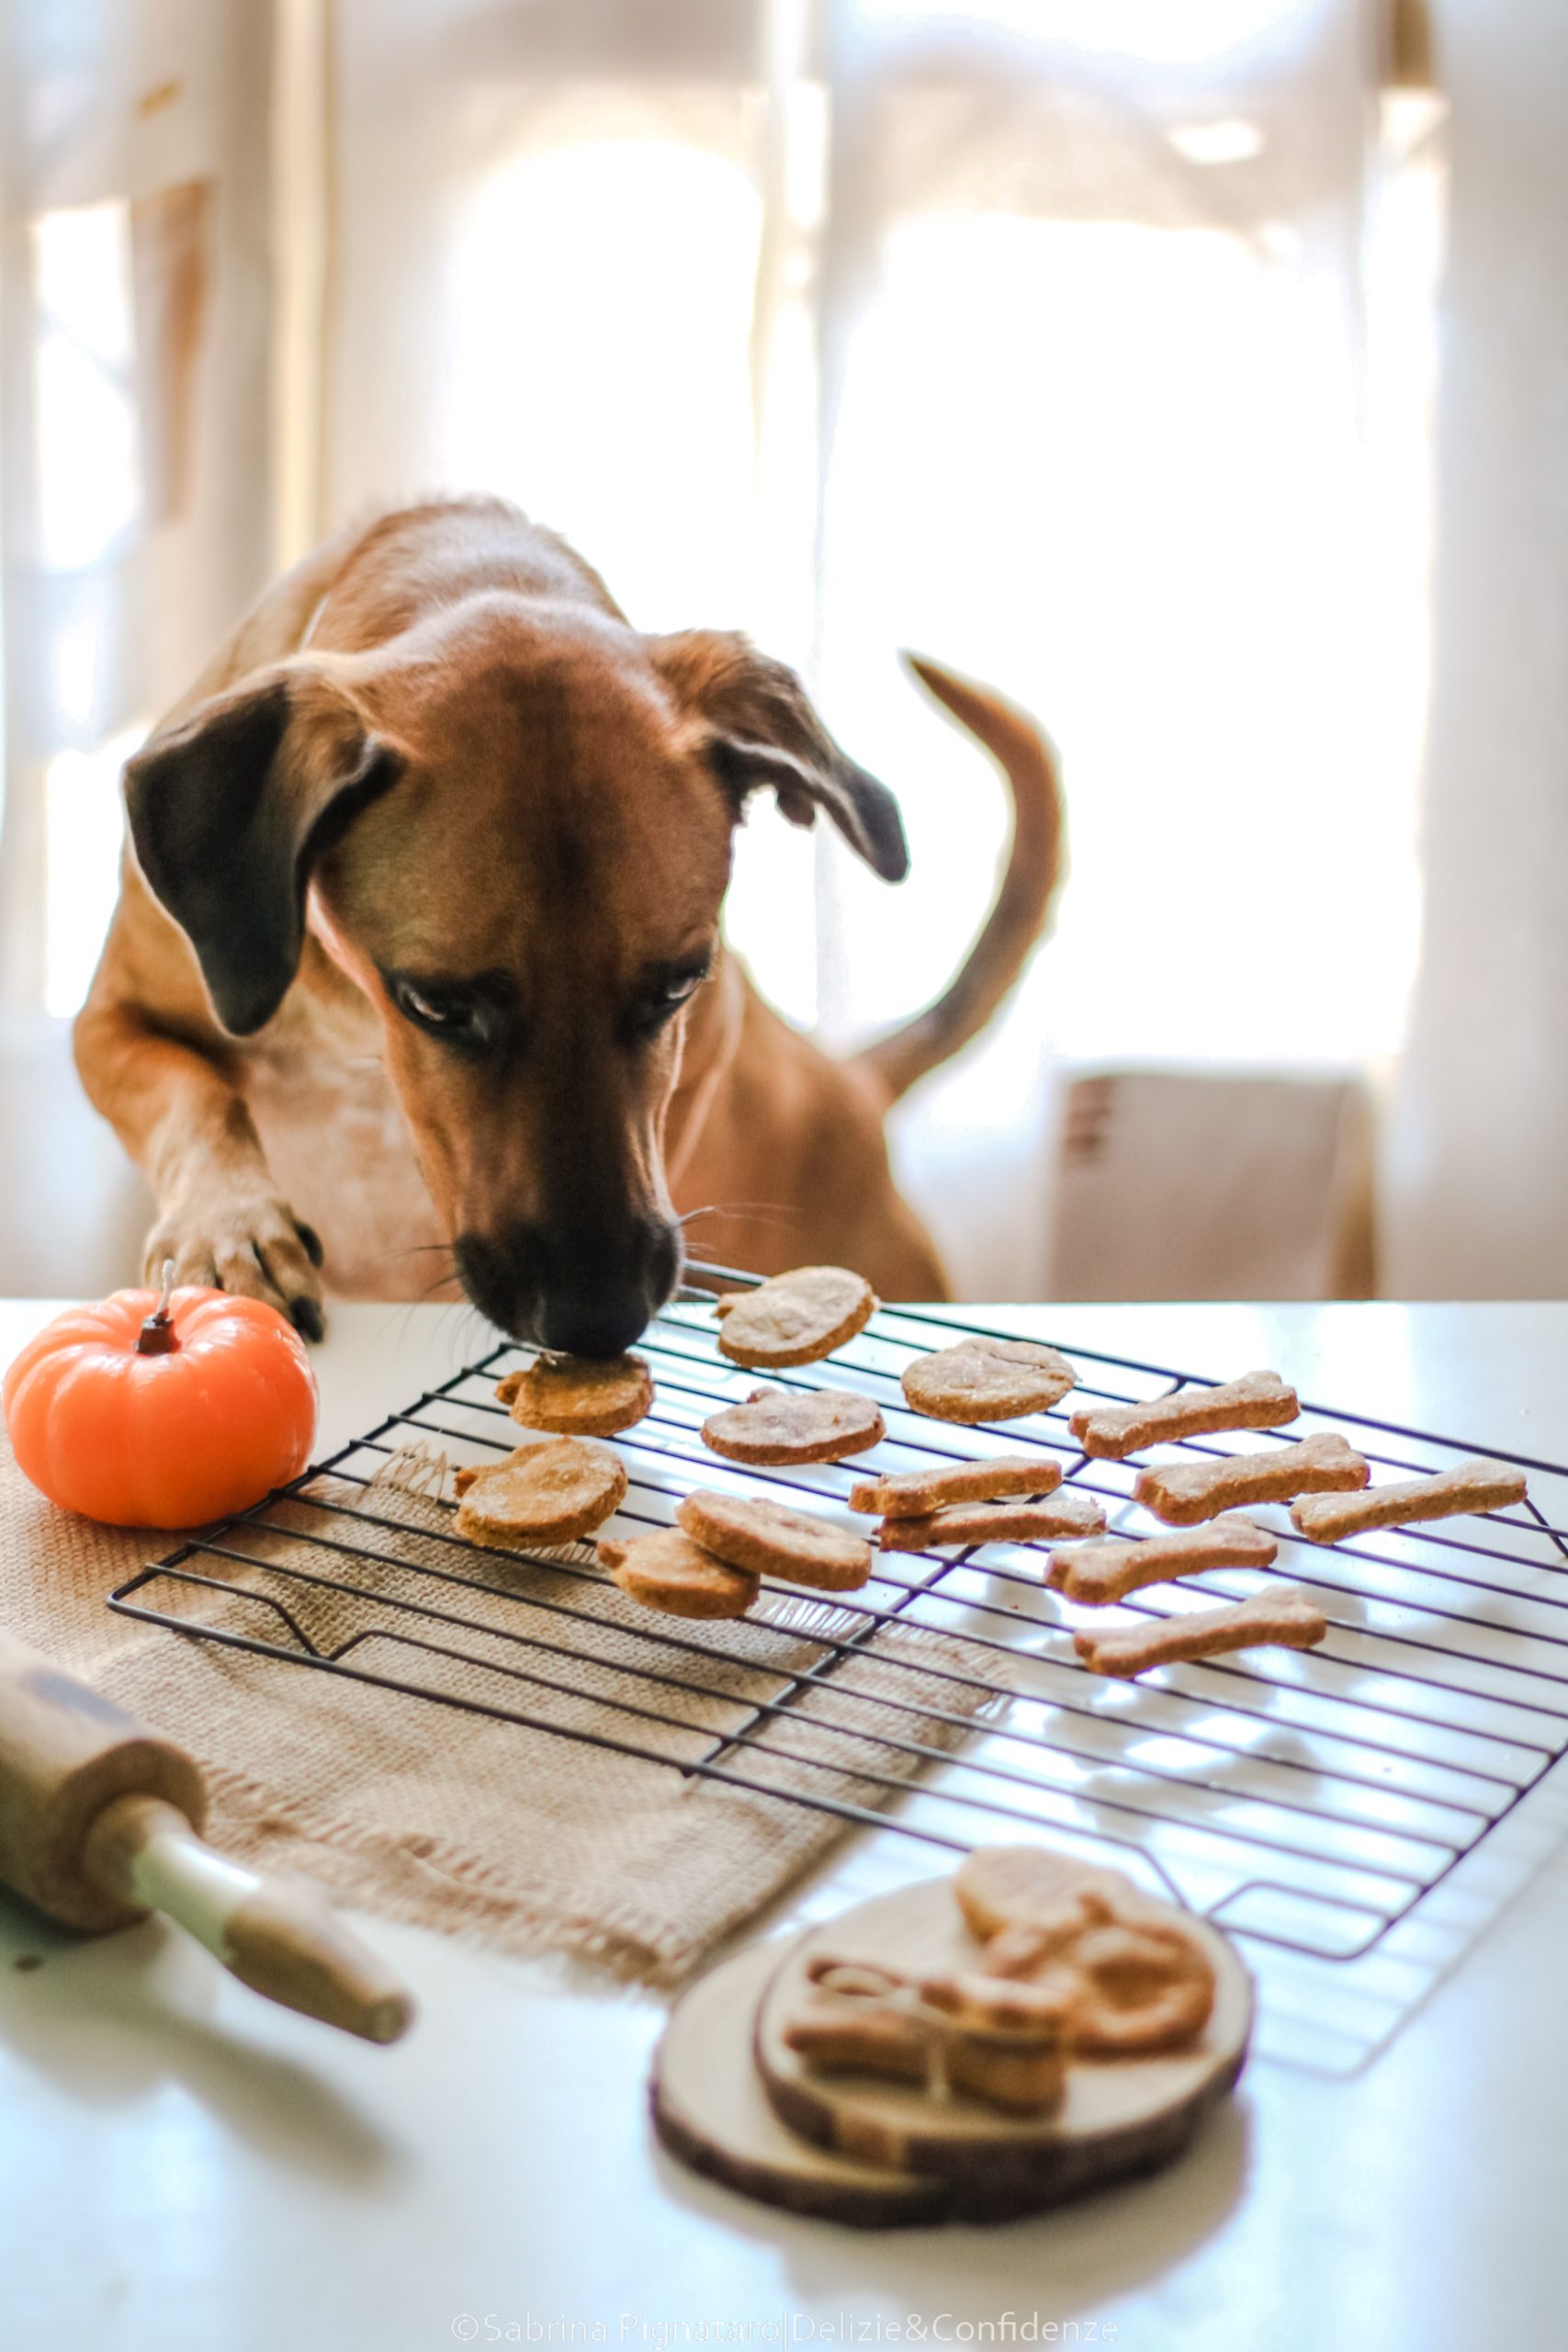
(1353, 1812)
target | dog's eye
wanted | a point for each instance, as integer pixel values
(476, 1014)
(443, 1013)
(665, 995)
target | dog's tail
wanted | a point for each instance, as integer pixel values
(1022, 904)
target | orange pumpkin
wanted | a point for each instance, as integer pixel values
(169, 1411)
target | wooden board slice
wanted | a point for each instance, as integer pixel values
(709, 2109)
(1119, 2117)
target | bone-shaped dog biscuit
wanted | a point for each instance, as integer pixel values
(1283, 1616)
(1007, 2045)
(1000, 2009)
(1064, 1513)
(1181, 1493)
(1469, 1486)
(915, 1493)
(1104, 1571)
(1259, 1400)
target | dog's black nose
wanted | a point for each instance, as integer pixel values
(592, 1323)
(585, 1295)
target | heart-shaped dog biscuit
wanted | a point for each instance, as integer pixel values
(777, 1425)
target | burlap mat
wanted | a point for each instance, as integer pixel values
(507, 1834)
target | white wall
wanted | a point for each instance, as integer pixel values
(1477, 1164)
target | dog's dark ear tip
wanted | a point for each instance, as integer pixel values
(306, 1317)
(244, 1006)
(873, 823)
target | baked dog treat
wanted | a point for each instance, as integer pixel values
(1283, 1617)
(769, 1539)
(1469, 1486)
(668, 1572)
(915, 1493)
(1101, 1573)
(540, 1494)
(1181, 1493)
(1063, 1514)
(778, 1424)
(1259, 1400)
(960, 2032)
(577, 1398)
(1141, 1981)
(981, 1379)
(795, 1318)
(1009, 1886)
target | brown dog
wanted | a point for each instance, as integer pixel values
(418, 945)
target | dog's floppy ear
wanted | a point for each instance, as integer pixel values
(764, 731)
(229, 811)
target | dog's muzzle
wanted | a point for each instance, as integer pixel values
(584, 1293)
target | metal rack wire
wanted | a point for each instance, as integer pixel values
(1309, 1802)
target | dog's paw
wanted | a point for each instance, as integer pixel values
(252, 1244)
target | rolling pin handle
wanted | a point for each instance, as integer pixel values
(279, 1936)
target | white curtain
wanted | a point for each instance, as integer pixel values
(1477, 1177)
(1078, 343)
(136, 494)
(135, 421)
(1032, 336)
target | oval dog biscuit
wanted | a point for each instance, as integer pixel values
(770, 1539)
(577, 1398)
(982, 1379)
(778, 1424)
(667, 1571)
(792, 1318)
(1017, 1886)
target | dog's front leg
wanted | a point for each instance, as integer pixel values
(221, 1220)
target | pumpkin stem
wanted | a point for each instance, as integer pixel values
(156, 1337)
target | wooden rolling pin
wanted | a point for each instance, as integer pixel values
(99, 1818)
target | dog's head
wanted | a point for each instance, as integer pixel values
(511, 826)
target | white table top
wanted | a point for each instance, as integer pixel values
(183, 2166)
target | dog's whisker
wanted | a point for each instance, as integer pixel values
(414, 1250)
(753, 1209)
